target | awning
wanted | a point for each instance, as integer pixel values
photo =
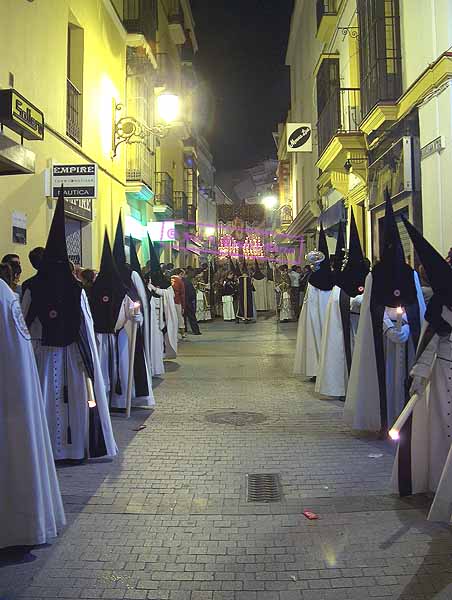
(15, 159)
(332, 216)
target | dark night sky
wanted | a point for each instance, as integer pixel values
(244, 84)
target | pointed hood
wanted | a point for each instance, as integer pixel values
(158, 278)
(134, 260)
(231, 265)
(438, 270)
(258, 275)
(107, 293)
(356, 269)
(323, 279)
(238, 270)
(339, 255)
(244, 267)
(269, 272)
(119, 254)
(393, 282)
(55, 291)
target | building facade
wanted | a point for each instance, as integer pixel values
(375, 89)
(84, 79)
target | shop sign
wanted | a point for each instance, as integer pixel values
(299, 137)
(432, 147)
(78, 181)
(18, 114)
(79, 208)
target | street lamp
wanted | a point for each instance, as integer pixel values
(168, 107)
(270, 202)
(209, 231)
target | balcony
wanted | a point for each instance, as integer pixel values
(176, 22)
(74, 113)
(141, 17)
(326, 18)
(180, 206)
(338, 128)
(164, 190)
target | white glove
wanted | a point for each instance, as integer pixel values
(418, 385)
(397, 336)
(355, 303)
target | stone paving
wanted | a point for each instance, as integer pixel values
(169, 520)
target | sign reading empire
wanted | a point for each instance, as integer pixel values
(78, 181)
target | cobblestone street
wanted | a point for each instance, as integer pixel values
(169, 519)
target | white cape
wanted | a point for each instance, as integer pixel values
(31, 509)
(262, 294)
(228, 308)
(332, 378)
(167, 318)
(362, 403)
(51, 367)
(309, 334)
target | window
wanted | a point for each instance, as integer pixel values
(74, 83)
(328, 101)
(380, 55)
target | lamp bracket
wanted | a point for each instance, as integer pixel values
(130, 130)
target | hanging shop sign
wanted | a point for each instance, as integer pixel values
(79, 188)
(20, 115)
(299, 137)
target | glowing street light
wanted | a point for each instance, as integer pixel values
(209, 231)
(270, 202)
(168, 107)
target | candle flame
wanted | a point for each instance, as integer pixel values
(399, 310)
(136, 305)
(92, 403)
(394, 434)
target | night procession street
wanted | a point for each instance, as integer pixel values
(169, 517)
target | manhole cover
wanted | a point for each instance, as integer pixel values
(263, 487)
(236, 418)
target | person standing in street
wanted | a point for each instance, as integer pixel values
(35, 258)
(295, 277)
(229, 293)
(31, 509)
(13, 260)
(177, 284)
(190, 302)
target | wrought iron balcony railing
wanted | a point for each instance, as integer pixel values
(74, 113)
(325, 8)
(180, 206)
(164, 189)
(141, 16)
(341, 114)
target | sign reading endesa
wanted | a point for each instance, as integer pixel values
(299, 137)
(20, 115)
(79, 188)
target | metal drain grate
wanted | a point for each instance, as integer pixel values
(263, 487)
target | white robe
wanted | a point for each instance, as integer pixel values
(50, 362)
(167, 317)
(202, 309)
(332, 378)
(157, 341)
(106, 343)
(262, 294)
(228, 308)
(362, 403)
(309, 334)
(31, 509)
(431, 456)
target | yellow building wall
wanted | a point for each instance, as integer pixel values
(33, 46)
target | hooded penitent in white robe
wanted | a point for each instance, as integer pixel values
(362, 410)
(59, 365)
(309, 334)
(31, 509)
(202, 304)
(332, 378)
(167, 318)
(431, 427)
(157, 339)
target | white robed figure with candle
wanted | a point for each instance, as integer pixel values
(31, 509)
(58, 315)
(312, 315)
(390, 320)
(425, 464)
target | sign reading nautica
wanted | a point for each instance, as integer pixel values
(79, 188)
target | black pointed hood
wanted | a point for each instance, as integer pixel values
(356, 269)
(55, 291)
(392, 279)
(134, 260)
(323, 278)
(231, 265)
(438, 271)
(258, 275)
(107, 293)
(238, 270)
(269, 272)
(119, 254)
(244, 267)
(158, 278)
(339, 255)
